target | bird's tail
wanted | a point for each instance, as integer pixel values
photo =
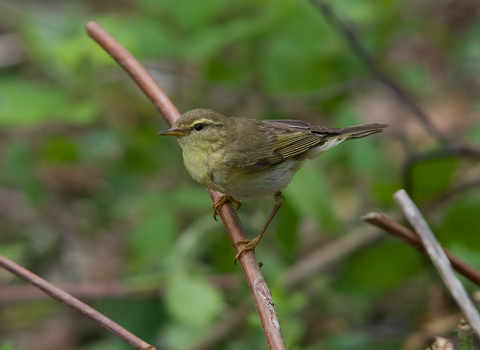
(351, 132)
(334, 136)
(359, 131)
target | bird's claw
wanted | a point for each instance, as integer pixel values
(249, 245)
(217, 204)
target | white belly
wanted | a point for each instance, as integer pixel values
(250, 184)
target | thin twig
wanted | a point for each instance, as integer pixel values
(368, 60)
(411, 238)
(250, 266)
(439, 258)
(75, 304)
(96, 290)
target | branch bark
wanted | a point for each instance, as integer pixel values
(259, 288)
(77, 305)
(411, 238)
(439, 258)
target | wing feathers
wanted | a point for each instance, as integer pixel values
(290, 138)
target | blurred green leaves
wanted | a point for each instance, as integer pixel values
(192, 300)
(151, 238)
(311, 180)
(432, 177)
(7, 346)
(26, 103)
(382, 267)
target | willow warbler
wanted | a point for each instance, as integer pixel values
(247, 158)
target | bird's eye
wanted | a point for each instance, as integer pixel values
(199, 126)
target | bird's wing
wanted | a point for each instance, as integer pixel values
(294, 137)
(274, 141)
(280, 140)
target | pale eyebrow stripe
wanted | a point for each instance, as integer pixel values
(203, 121)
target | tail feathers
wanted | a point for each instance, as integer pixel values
(351, 132)
(356, 132)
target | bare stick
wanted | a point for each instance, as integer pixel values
(411, 238)
(95, 290)
(258, 286)
(75, 304)
(367, 59)
(439, 259)
(136, 71)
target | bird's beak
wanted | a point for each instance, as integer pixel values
(172, 132)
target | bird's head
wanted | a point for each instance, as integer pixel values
(201, 129)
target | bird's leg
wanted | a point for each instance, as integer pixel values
(252, 244)
(217, 204)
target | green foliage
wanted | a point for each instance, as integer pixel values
(430, 178)
(460, 221)
(151, 239)
(382, 267)
(193, 300)
(287, 228)
(310, 179)
(141, 317)
(355, 340)
(30, 103)
(7, 346)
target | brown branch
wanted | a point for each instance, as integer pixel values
(411, 238)
(26, 292)
(95, 290)
(439, 258)
(258, 286)
(75, 304)
(136, 71)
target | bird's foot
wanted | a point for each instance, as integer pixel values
(217, 204)
(249, 245)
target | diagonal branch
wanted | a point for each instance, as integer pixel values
(251, 268)
(439, 258)
(74, 303)
(411, 238)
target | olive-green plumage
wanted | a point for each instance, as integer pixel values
(245, 158)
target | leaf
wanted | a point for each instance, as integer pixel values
(309, 193)
(430, 178)
(18, 170)
(151, 239)
(192, 300)
(7, 346)
(61, 149)
(461, 222)
(300, 53)
(287, 228)
(30, 103)
(382, 267)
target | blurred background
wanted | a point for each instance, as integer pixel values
(94, 202)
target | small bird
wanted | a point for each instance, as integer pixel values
(246, 158)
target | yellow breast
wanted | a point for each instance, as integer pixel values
(200, 162)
